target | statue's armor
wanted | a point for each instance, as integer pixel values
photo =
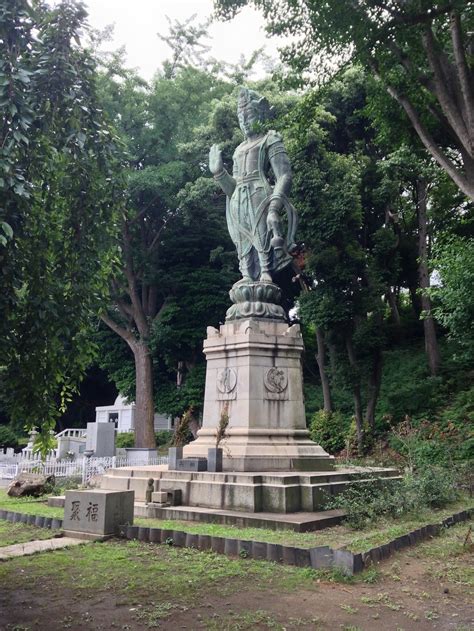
(247, 209)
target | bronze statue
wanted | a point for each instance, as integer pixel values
(254, 203)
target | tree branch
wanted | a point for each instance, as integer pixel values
(119, 330)
(441, 80)
(465, 76)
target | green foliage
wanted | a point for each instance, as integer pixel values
(164, 438)
(365, 502)
(7, 437)
(330, 430)
(455, 295)
(125, 439)
(60, 166)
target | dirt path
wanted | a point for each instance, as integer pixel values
(422, 589)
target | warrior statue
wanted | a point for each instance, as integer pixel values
(256, 194)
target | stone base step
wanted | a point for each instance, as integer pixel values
(272, 492)
(298, 522)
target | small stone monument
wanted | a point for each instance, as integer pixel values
(101, 439)
(98, 513)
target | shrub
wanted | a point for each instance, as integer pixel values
(329, 429)
(164, 437)
(7, 437)
(433, 487)
(125, 439)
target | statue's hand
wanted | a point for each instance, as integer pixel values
(216, 165)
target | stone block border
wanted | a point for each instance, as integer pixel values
(317, 558)
(32, 520)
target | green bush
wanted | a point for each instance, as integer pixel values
(125, 439)
(329, 429)
(163, 438)
(432, 487)
(7, 437)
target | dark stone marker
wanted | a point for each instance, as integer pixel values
(192, 464)
(375, 555)
(17, 517)
(231, 547)
(217, 544)
(3, 514)
(32, 518)
(174, 454)
(179, 538)
(24, 518)
(214, 460)
(358, 563)
(302, 557)
(245, 548)
(321, 556)
(204, 542)
(288, 555)
(39, 521)
(132, 532)
(259, 550)
(191, 540)
(344, 560)
(9, 515)
(47, 522)
(166, 536)
(56, 523)
(274, 552)
(155, 535)
(175, 496)
(143, 533)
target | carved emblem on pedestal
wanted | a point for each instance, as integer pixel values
(226, 383)
(276, 383)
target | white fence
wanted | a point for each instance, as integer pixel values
(86, 468)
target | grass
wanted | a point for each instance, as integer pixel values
(382, 531)
(160, 583)
(29, 505)
(11, 533)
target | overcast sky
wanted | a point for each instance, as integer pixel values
(137, 23)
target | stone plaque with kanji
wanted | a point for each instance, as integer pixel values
(97, 512)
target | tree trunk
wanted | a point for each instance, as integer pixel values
(321, 359)
(356, 394)
(375, 380)
(392, 301)
(144, 405)
(431, 342)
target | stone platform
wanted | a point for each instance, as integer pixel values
(246, 492)
(297, 522)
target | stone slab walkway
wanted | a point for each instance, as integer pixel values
(32, 547)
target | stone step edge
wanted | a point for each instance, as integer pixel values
(39, 521)
(317, 558)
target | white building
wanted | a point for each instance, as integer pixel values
(122, 414)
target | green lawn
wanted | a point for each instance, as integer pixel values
(135, 585)
(382, 531)
(21, 533)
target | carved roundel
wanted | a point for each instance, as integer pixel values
(226, 380)
(276, 380)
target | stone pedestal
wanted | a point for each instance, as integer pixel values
(98, 512)
(101, 439)
(254, 374)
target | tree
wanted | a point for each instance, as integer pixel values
(420, 51)
(163, 257)
(59, 191)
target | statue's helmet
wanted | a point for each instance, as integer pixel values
(259, 104)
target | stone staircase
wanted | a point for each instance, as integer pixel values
(221, 495)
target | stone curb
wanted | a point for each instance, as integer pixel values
(317, 558)
(32, 520)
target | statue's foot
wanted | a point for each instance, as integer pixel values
(277, 243)
(265, 277)
(244, 280)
